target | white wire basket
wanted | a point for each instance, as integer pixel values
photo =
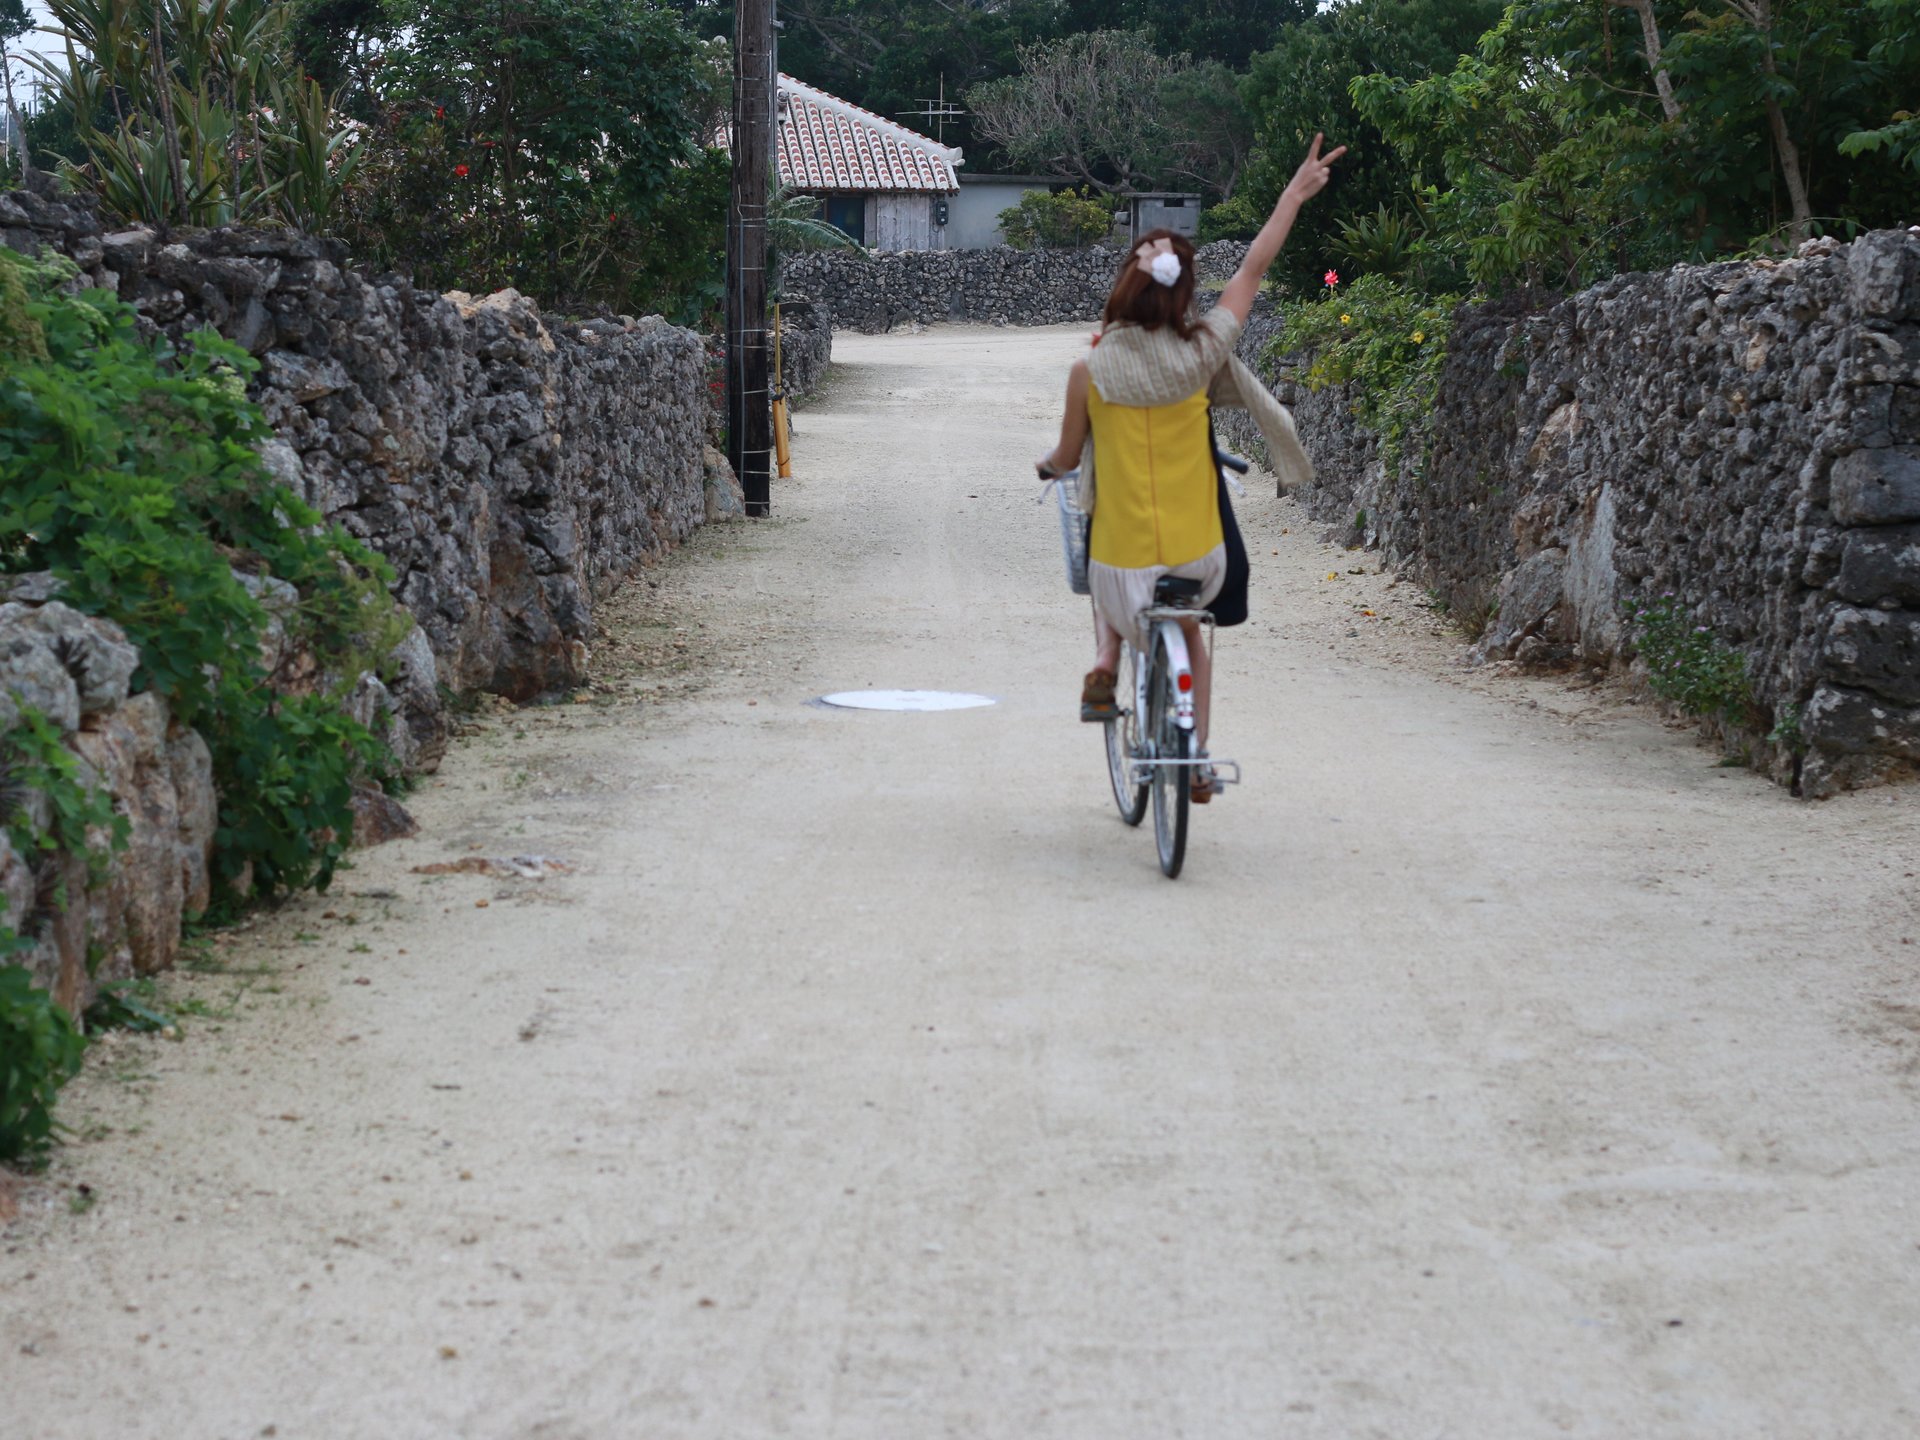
(1074, 524)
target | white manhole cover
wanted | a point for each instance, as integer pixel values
(905, 700)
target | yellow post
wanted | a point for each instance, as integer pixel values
(782, 432)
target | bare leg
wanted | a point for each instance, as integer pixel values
(1106, 644)
(1202, 661)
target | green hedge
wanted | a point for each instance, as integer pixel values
(1385, 339)
(130, 468)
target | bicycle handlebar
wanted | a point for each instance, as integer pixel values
(1239, 464)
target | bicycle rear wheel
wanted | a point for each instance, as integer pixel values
(1123, 743)
(1171, 783)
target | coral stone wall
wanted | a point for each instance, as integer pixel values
(873, 293)
(806, 346)
(75, 669)
(512, 467)
(1744, 438)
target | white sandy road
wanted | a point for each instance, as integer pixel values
(1499, 1068)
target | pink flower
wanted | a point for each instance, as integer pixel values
(1332, 277)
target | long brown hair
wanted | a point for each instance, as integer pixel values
(1141, 300)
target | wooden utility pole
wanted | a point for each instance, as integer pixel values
(749, 397)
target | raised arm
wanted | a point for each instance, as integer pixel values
(1073, 426)
(1308, 181)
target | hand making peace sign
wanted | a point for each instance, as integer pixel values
(1314, 172)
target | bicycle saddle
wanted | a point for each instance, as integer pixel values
(1176, 590)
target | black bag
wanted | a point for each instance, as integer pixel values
(1229, 607)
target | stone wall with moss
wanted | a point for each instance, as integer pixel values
(513, 469)
(511, 466)
(1734, 447)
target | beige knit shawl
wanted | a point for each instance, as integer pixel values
(1135, 366)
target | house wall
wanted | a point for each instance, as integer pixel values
(903, 222)
(975, 221)
(1178, 213)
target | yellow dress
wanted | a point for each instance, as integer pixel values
(1158, 501)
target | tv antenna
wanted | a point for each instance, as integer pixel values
(939, 110)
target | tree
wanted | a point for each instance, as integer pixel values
(1749, 68)
(550, 145)
(890, 56)
(1565, 149)
(1086, 108)
(1897, 52)
(1069, 220)
(1228, 32)
(1527, 190)
(1212, 136)
(1749, 125)
(338, 42)
(1300, 86)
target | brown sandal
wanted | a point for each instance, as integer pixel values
(1202, 786)
(1097, 703)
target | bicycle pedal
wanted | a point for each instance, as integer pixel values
(1225, 773)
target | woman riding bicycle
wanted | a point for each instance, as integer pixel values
(1139, 405)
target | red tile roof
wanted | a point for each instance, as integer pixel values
(827, 144)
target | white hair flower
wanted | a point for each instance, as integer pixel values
(1166, 267)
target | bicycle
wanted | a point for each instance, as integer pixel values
(1150, 746)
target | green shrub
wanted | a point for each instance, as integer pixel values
(1070, 220)
(555, 146)
(130, 469)
(1386, 340)
(40, 1051)
(34, 760)
(1690, 665)
(39, 1046)
(1383, 242)
(194, 113)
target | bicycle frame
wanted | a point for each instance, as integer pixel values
(1168, 630)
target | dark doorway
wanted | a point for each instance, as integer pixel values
(849, 213)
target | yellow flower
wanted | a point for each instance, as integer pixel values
(1419, 337)
(1346, 319)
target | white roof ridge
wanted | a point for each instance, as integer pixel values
(953, 155)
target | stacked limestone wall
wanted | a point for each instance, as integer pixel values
(806, 346)
(84, 931)
(873, 293)
(512, 467)
(1744, 438)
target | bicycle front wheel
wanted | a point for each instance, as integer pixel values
(1123, 743)
(1171, 783)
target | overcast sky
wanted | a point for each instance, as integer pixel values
(23, 76)
(38, 42)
